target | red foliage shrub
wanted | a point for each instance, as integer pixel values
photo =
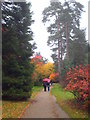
(78, 82)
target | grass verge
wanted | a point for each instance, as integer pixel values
(13, 109)
(63, 99)
(36, 90)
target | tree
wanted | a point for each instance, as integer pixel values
(78, 48)
(74, 36)
(64, 29)
(48, 69)
(54, 39)
(41, 69)
(37, 75)
(16, 50)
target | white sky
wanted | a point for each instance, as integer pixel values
(39, 30)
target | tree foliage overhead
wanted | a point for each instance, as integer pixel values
(16, 50)
(66, 37)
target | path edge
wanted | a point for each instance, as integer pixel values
(27, 106)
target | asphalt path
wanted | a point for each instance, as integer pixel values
(44, 106)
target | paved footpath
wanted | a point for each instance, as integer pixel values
(44, 106)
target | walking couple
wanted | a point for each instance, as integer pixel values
(45, 85)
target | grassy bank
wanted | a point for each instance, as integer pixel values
(13, 109)
(36, 90)
(64, 99)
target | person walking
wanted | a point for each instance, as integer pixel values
(44, 85)
(48, 85)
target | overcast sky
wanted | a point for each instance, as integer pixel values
(39, 29)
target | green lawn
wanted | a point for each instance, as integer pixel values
(63, 99)
(36, 90)
(13, 109)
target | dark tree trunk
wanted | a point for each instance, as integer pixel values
(59, 45)
(67, 55)
(61, 55)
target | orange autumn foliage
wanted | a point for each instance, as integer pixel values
(53, 76)
(41, 69)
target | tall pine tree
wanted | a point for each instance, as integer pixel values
(66, 37)
(16, 50)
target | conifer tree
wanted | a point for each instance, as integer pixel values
(65, 32)
(16, 50)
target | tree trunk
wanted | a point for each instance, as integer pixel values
(59, 66)
(67, 55)
(61, 55)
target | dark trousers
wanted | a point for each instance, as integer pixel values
(48, 88)
(44, 87)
